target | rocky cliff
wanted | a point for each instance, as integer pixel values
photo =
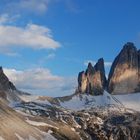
(8, 91)
(124, 76)
(93, 80)
(5, 84)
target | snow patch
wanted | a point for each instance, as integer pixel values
(28, 98)
(31, 138)
(36, 123)
(131, 101)
(1, 138)
(122, 102)
(73, 129)
(82, 101)
(18, 136)
(34, 98)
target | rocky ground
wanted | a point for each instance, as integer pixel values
(102, 123)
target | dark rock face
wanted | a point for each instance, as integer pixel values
(5, 84)
(124, 76)
(123, 127)
(93, 80)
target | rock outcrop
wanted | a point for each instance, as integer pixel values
(124, 76)
(8, 91)
(93, 80)
(5, 84)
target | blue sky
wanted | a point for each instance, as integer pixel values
(57, 38)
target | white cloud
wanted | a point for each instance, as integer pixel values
(38, 6)
(31, 36)
(33, 78)
(50, 56)
(13, 54)
(107, 64)
(43, 60)
(29, 6)
(6, 18)
(41, 80)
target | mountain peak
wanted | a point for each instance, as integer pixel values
(101, 60)
(123, 76)
(99, 65)
(93, 80)
(5, 84)
(129, 48)
(90, 65)
(1, 69)
(129, 45)
(90, 69)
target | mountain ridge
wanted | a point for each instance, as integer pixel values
(124, 75)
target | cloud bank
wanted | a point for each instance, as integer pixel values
(13, 37)
(32, 36)
(37, 7)
(28, 6)
(41, 80)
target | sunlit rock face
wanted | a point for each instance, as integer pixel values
(125, 71)
(124, 75)
(82, 82)
(93, 80)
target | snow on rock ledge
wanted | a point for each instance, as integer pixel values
(82, 101)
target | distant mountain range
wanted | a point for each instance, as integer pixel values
(100, 109)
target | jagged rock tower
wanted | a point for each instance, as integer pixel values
(93, 80)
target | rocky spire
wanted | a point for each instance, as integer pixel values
(90, 69)
(123, 76)
(100, 67)
(93, 80)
